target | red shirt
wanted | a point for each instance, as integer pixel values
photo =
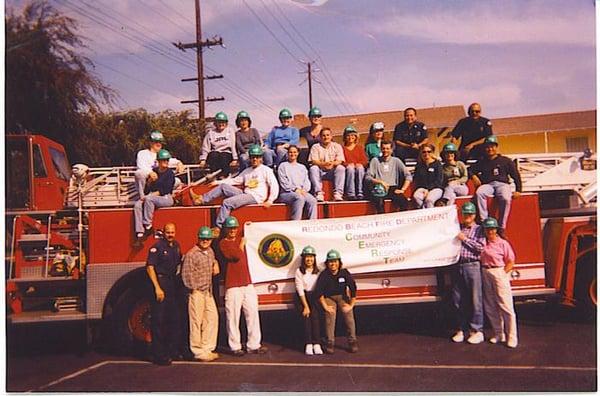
(356, 155)
(237, 273)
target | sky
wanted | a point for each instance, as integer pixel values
(515, 57)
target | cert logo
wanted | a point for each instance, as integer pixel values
(276, 250)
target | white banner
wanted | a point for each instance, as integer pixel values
(413, 239)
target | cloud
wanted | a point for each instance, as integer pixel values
(485, 25)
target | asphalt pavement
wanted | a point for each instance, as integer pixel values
(402, 348)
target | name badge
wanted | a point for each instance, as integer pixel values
(496, 172)
(341, 280)
(386, 167)
(431, 169)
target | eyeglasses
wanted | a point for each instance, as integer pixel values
(475, 111)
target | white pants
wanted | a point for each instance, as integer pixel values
(498, 303)
(204, 323)
(239, 299)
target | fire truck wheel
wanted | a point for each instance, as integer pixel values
(131, 325)
(585, 286)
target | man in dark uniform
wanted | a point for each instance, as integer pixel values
(471, 131)
(409, 135)
(164, 258)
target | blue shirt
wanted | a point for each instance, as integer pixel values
(281, 135)
(164, 257)
(164, 184)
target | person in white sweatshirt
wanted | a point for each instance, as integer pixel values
(146, 161)
(218, 147)
(258, 182)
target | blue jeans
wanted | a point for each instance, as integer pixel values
(236, 198)
(428, 201)
(457, 190)
(297, 203)
(467, 295)
(338, 175)
(502, 192)
(355, 175)
(274, 156)
(143, 211)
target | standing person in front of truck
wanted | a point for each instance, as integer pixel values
(497, 261)
(305, 280)
(466, 279)
(335, 289)
(199, 267)
(163, 260)
(240, 295)
(158, 195)
(146, 161)
(491, 178)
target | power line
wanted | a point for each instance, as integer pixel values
(177, 25)
(177, 12)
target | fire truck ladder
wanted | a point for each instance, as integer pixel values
(112, 187)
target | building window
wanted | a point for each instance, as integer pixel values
(577, 144)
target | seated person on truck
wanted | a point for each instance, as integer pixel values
(428, 178)
(146, 160)
(218, 147)
(280, 138)
(294, 187)
(312, 133)
(409, 135)
(491, 178)
(326, 158)
(240, 295)
(245, 137)
(158, 194)
(355, 161)
(335, 289)
(259, 187)
(387, 177)
(373, 146)
(455, 175)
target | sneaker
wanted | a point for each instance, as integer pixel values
(350, 197)
(317, 349)
(308, 350)
(459, 336)
(360, 197)
(148, 230)
(320, 196)
(512, 343)
(329, 348)
(259, 351)
(238, 352)
(209, 357)
(196, 198)
(496, 339)
(337, 196)
(139, 241)
(475, 338)
(353, 345)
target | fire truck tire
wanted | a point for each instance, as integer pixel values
(586, 288)
(131, 323)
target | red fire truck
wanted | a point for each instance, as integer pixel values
(69, 253)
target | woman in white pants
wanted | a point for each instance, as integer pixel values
(497, 261)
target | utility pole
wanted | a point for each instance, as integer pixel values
(310, 102)
(198, 45)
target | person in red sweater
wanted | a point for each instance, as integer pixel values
(355, 163)
(240, 294)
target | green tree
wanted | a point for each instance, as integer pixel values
(49, 85)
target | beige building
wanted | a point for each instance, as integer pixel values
(543, 133)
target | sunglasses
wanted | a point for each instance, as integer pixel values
(475, 111)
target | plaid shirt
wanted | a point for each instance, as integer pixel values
(197, 270)
(471, 248)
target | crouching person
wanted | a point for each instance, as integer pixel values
(336, 288)
(199, 266)
(240, 294)
(158, 196)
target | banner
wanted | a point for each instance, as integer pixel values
(414, 239)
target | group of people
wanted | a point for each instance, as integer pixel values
(318, 290)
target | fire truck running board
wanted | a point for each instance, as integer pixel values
(45, 316)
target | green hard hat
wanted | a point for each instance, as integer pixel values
(285, 113)
(205, 233)
(309, 250)
(314, 112)
(242, 114)
(449, 148)
(378, 191)
(231, 222)
(157, 136)
(349, 129)
(490, 222)
(469, 208)
(255, 151)
(163, 155)
(492, 139)
(333, 255)
(220, 116)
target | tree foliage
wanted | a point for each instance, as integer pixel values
(49, 84)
